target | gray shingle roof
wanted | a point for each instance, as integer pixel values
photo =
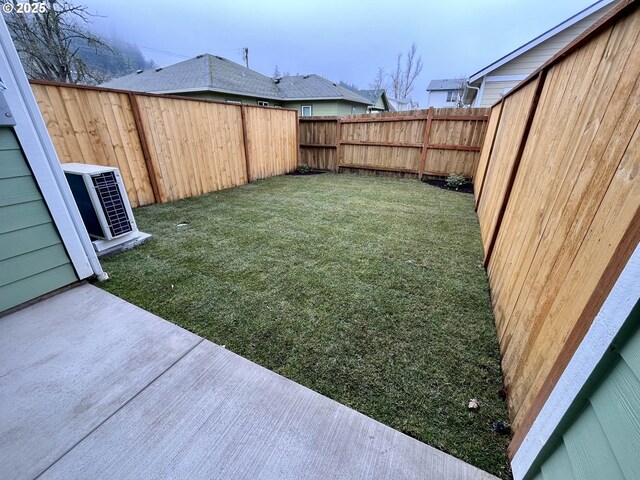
(371, 95)
(213, 73)
(446, 84)
(201, 73)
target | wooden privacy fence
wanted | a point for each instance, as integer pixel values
(167, 147)
(558, 200)
(421, 142)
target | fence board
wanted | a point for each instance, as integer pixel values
(571, 217)
(194, 146)
(322, 134)
(272, 143)
(96, 127)
(486, 151)
(514, 118)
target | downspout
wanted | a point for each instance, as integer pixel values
(466, 88)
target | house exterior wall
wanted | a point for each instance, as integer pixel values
(320, 108)
(347, 108)
(438, 99)
(493, 91)
(33, 260)
(525, 64)
(534, 58)
(327, 108)
(602, 438)
(379, 105)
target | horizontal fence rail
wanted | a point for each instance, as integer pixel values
(421, 142)
(167, 147)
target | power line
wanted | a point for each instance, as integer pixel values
(171, 53)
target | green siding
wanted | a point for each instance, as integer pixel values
(345, 108)
(33, 260)
(558, 465)
(600, 438)
(318, 108)
(589, 450)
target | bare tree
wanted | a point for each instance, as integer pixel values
(413, 67)
(380, 82)
(403, 77)
(461, 82)
(50, 41)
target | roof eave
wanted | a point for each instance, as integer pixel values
(217, 90)
(539, 39)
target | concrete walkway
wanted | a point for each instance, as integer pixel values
(93, 387)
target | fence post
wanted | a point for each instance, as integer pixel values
(299, 149)
(245, 141)
(338, 143)
(142, 136)
(425, 142)
(516, 163)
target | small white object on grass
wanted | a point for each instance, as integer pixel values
(474, 404)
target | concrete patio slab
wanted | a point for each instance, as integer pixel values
(204, 412)
(67, 364)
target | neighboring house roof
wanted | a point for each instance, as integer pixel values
(372, 95)
(376, 95)
(539, 39)
(446, 84)
(201, 73)
(312, 87)
(217, 74)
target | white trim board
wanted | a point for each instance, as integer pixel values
(539, 39)
(42, 158)
(614, 312)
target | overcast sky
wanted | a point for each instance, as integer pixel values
(340, 39)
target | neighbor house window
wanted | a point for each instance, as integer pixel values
(305, 110)
(262, 103)
(452, 95)
(233, 101)
(354, 110)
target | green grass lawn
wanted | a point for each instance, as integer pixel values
(368, 290)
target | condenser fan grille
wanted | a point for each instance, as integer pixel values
(106, 186)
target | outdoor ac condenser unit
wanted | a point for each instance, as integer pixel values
(104, 206)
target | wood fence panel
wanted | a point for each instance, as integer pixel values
(323, 134)
(271, 141)
(96, 127)
(386, 157)
(444, 162)
(514, 117)
(195, 147)
(572, 217)
(394, 141)
(485, 152)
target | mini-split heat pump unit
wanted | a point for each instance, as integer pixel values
(104, 206)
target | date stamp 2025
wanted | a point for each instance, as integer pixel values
(24, 7)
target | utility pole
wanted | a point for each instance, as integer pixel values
(245, 56)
